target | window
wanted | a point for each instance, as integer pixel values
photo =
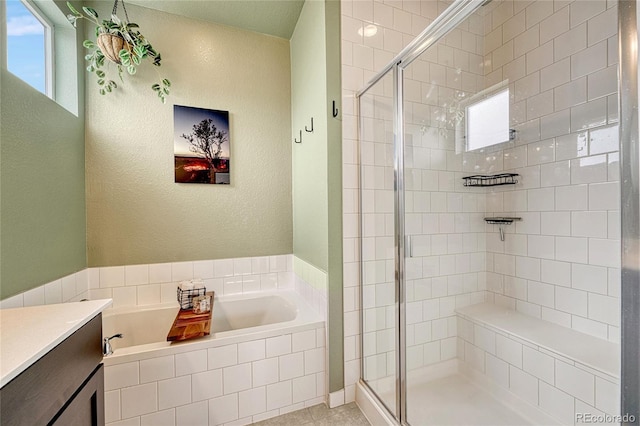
(30, 45)
(488, 121)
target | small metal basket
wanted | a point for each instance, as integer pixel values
(185, 297)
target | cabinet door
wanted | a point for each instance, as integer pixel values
(87, 405)
(44, 389)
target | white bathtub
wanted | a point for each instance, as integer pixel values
(236, 318)
(266, 355)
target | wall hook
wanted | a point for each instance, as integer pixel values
(309, 130)
(335, 110)
(298, 141)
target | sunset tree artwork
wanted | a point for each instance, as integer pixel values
(202, 154)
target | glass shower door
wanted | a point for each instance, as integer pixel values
(444, 253)
(379, 294)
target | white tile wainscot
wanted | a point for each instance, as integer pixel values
(150, 284)
(70, 288)
(237, 383)
(560, 371)
(311, 283)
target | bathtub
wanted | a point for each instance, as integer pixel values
(266, 355)
(236, 318)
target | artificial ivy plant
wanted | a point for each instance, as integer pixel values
(121, 43)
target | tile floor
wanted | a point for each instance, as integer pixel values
(318, 415)
(451, 400)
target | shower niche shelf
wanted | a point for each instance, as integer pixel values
(491, 180)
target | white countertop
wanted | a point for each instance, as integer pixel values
(27, 334)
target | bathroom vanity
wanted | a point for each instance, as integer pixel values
(51, 364)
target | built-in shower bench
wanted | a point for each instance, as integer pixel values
(560, 371)
(587, 350)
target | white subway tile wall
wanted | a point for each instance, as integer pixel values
(311, 283)
(136, 285)
(570, 250)
(561, 262)
(557, 385)
(71, 288)
(244, 382)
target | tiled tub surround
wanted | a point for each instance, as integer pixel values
(560, 371)
(235, 380)
(152, 284)
(156, 283)
(311, 283)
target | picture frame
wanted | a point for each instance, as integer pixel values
(201, 145)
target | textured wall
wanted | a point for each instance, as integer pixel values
(308, 89)
(43, 216)
(316, 161)
(42, 173)
(135, 211)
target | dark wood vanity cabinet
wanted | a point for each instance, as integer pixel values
(64, 387)
(87, 405)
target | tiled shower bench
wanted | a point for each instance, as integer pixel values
(564, 373)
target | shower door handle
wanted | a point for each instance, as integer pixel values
(408, 246)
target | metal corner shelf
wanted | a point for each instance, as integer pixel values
(491, 180)
(501, 221)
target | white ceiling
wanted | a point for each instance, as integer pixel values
(274, 17)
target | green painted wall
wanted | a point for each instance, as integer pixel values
(308, 99)
(317, 161)
(42, 186)
(334, 200)
(135, 212)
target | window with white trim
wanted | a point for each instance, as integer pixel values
(30, 45)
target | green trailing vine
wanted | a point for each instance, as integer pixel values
(124, 46)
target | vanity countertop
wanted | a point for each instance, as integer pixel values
(26, 334)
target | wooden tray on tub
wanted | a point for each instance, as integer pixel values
(189, 325)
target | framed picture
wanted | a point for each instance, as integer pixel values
(201, 145)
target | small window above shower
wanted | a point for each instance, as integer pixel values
(486, 119)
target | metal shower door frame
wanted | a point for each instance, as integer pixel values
(445, 22)
(629, 209)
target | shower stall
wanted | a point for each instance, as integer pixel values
(499, 263)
